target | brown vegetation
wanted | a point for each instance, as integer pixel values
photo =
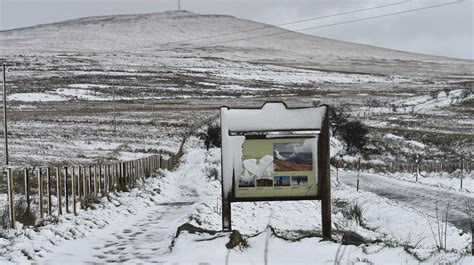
(289, 166)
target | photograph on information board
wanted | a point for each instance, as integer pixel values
(277, 167)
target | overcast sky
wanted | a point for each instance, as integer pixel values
(445, 31)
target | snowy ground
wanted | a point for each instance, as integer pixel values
(144, 229)
(62, 77)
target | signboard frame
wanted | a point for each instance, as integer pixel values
(276, 118)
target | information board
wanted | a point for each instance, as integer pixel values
(277, 167)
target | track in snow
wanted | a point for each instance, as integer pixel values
(418, 196)
(142, 238)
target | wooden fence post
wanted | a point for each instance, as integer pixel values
(358, 173)
(48, 190)
(58, 191)
(325, 175)
(11, 204)
(114, 176)
(73, 190)
(462, 169)
(101, 179)
(84, 182)
(79, 181)
(27, 187)
(66, 187)
(40, 192)
(95, 181)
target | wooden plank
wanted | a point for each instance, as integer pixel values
(106, 177)
(90, 186)
(114, 177)
(66, 187)
(48, 190)
(79, 181)
(96, 188)
(101, 178)
(27, 187)
(58, 191)
(40, 192)
(84, 182)
(73, 191)
(11, 204)
(325, 173)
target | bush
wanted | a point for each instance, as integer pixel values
(213, 136)
(89, 200)
(338, 117)
(354, 134)
(23, 214)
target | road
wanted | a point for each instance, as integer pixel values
(419, 196)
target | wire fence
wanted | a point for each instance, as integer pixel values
(449, 167)
(53, 191)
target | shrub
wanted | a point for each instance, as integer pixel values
(213, 136)
(338, 117)
(89, 200)
(354, 134)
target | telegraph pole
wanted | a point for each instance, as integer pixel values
(5, 115)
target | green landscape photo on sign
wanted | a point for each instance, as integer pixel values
(278, 167)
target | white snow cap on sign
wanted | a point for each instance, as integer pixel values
(273, 116)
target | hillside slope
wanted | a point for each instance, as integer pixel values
(184, 33)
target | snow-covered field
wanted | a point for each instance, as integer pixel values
(70, 71)
(62, 79)
(141, 226)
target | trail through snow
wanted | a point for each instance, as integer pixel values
(146, 233)
(142, 238)
(418, 196)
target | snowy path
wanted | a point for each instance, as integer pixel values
(418, 196)
(142, 238)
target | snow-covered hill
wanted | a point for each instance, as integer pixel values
(211, 36)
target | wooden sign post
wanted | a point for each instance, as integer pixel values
(275, 153)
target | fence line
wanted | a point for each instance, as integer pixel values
(465, 166)
(78, 184)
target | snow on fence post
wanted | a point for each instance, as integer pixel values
(27, 187)
(11, 208)
(48, 190)
(58, 191)
(40, 192)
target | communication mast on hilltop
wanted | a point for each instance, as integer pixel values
(179, 5)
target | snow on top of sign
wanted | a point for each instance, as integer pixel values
(272, 116)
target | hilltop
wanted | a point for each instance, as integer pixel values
(183, 33)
